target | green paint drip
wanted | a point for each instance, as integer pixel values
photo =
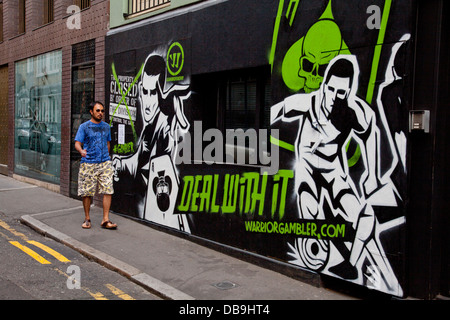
(294, 11)
(275, 34)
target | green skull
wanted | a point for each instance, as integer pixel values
(321, 44)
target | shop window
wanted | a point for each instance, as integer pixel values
(247, 106)
(247, 100)
(240, 103)
(37, 138)
(238, 99)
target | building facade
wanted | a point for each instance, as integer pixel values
(307, 133)
(51, 68)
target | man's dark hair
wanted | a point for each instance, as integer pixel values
(156, 65)
(341, 68)
(92, 105)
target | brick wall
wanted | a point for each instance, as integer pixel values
(39, 39)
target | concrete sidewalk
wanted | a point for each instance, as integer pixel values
(171, 266)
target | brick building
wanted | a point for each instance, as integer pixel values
(51, 67)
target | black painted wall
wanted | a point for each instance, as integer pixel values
(252, 39)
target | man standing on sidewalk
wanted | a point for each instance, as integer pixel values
(93, 143)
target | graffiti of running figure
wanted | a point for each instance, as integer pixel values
(163, 115)
(329, 118)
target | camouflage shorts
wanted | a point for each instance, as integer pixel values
(92, 173)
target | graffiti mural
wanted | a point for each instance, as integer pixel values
(320, 181)
(150, 164)
(346, 152)
(330, 117)
(311, 53)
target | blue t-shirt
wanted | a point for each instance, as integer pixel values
(94, 138)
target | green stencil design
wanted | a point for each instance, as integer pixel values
(305, 62)
(377, 52)
(124, 94)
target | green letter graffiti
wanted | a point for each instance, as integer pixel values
(186, 197)
(206, 193)
(285, 175)
(230, 192)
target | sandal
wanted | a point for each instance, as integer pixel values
(86, 224)
(108, 225)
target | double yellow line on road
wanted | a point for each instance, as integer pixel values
(29, 251)
(98, 295)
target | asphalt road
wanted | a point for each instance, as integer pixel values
(33, 267)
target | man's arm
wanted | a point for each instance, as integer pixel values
(79, 148)
(291, 108)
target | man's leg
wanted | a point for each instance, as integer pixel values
(86, 187)
(106, 187)
(87, 206)
(106, 206)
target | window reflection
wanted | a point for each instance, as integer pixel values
(38, 117)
